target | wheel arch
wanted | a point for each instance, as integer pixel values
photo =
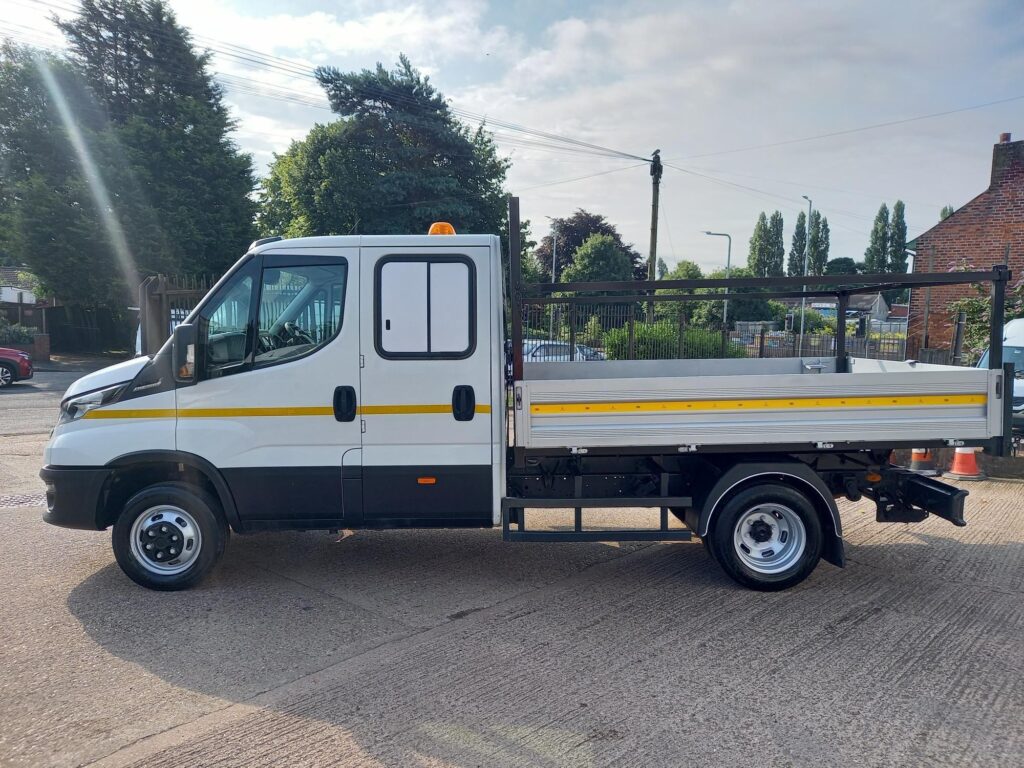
(795, 474)
(133, 471)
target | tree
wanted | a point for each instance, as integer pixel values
(168, 116)
(683, 270)
(662, 269)
(795, 264)
(817, 247)
(897, 258)
(776, 255)
(572, 232)
(709, 314)
(841, 266)
(396, 161)
(600, 258)
(117, 159)
(876, 257)
(946, 212)
(758, 256)
(824, 241)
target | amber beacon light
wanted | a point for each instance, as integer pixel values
(441, 228)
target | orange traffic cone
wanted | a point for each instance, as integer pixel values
(922, 461)
(965, 465)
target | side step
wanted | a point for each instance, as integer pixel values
(513, 512)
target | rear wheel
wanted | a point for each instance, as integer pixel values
(767, 537)
(7, 375)
(169, 536)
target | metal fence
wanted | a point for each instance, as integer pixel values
(658, 319)
(628, 331)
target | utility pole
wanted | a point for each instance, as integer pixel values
(652, 256)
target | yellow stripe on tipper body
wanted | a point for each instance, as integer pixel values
(759, 404)
(235, 413)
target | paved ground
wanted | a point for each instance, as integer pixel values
(444, 648)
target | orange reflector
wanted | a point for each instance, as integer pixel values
(426, 480)
(873, 477)
(441, 228)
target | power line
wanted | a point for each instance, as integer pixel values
(860, 129)
(581, 178)
(295, 69)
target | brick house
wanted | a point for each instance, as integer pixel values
(986, 231)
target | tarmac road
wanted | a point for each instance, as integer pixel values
(452, 648)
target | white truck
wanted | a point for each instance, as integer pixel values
(364, 382)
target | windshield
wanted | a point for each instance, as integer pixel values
(1013, 355)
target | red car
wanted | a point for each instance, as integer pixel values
(15, 365)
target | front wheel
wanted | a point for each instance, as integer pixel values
(169, 536)
(767, 537)
(7, 375)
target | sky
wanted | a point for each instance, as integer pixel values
(728, 91)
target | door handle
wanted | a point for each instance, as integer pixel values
(463, 403)
(345, 403)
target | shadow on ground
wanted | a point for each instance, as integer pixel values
(455, 648)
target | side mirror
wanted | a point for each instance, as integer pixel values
(183, 353)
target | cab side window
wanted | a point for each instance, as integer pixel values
(425, 307)
(224, 327)
(301, 309)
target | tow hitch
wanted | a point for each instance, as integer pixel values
(906, 497)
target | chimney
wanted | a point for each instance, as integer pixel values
(1007, 160)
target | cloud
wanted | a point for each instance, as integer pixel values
(689, 78)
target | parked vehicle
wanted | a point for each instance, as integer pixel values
(541, 350)
(15, 366)
(356, 382)
(1013, 352)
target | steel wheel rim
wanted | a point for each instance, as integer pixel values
(769, 538)
(6, 377)
(165, 540)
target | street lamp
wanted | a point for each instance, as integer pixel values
(728, 264)
(807, 252)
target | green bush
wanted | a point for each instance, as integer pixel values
(14, 333)
(660, 341)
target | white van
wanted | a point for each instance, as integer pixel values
(359, 382)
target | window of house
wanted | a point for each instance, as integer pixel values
(425, 307)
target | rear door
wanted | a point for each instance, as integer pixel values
(426, 384)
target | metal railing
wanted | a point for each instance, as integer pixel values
(660, 319)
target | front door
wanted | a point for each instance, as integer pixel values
(427, 380)
(276, 406)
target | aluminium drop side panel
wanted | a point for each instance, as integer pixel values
(934, 404)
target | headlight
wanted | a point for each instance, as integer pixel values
(76, 407)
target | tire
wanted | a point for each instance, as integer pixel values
(169, 536)
(7, 375)
(767, 537)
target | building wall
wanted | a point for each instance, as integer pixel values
(986, 231)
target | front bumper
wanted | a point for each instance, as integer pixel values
(73, 496)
